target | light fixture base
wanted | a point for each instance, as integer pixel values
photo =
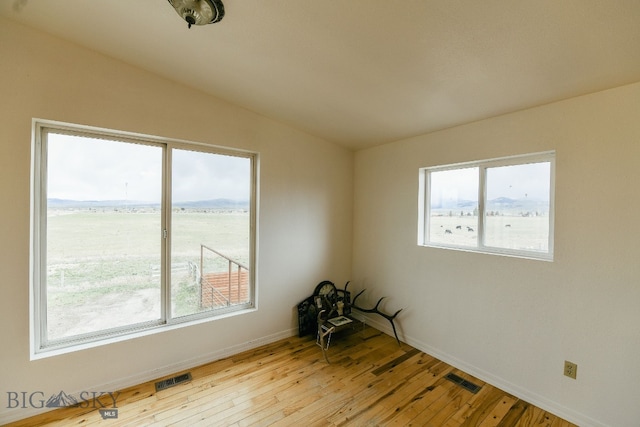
(199, 12)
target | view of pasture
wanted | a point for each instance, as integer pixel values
(516, 197)
(103, 263)
(204, 242)
(108, 262)
(505, 231)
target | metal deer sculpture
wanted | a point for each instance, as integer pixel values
(375, 310)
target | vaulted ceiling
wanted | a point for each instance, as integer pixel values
(365, 72)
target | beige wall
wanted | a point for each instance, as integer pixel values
(510, 321)
(304, 224)
(514, 321)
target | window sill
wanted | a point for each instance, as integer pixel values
(66, 348)
(535, 256)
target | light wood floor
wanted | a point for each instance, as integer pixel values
(371, 381)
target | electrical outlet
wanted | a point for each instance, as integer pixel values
(570, 369)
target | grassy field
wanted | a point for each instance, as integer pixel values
(103, 265)
(511, 232)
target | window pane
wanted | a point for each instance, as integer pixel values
(210, 233)
(103, 235)
(454, 207)
(517, 207)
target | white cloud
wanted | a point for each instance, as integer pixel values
(81, 168)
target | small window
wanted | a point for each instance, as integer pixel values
(501, 206)
(133, 232)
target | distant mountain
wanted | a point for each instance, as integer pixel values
(196, 204)
(513, 206)
(214, 204)
(65, 203)
(504, 205)
(503, 201)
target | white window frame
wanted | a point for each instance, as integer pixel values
(424, 208)
(40, 346)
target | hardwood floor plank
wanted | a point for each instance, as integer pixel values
(451, 406)
(426, 404)
(535, 416)
(403, 398)
(371, 381)
(376, 389)
(478, 406)
(515, 413)
(442, 407)
(498, 412)
(395, 362)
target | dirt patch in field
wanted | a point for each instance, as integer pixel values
(109, 311)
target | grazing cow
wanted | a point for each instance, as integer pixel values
(447, 231)
(458, 227)
(469, 229)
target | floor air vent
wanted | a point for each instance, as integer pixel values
(170, 382)
(467, 385)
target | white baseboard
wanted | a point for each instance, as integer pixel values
(152, 374)
(517, 391)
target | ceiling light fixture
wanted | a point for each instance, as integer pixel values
(199, 12)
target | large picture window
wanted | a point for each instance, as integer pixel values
(133, 232)
(502, 206)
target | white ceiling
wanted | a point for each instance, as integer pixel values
(365, 72)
